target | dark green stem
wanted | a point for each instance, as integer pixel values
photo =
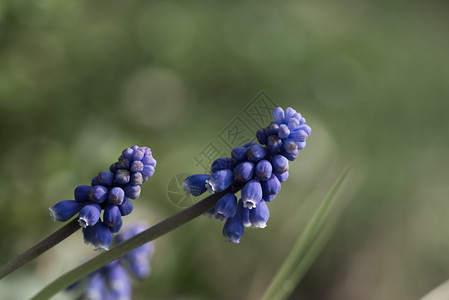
(39, 248)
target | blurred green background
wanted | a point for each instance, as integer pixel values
(82, 80)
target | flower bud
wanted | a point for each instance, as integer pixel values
(270, 188)
(112, 216)
(233, 229)
(282, 177)
(136, 166)
(243, 212)
(148, 170)
(263, 170)
(219, 181)
(126, 207)
(226, 206)
(279, 163)
(98, 235)
(256, 153)
(278, 114)
(122, 176)
(244, 171)
(238, 154)
(259, 215)
(116, 196)
(64, 210)
(98, 193)
(283, 131)
(195, 184)
(105, 178)
(89, 215)
(136, 178)
(221, 164)
(132, 191)
(261, 136)
(82, 193)
(289, 112)
(251, 194)
(274, 143)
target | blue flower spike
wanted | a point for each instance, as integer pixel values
(96, 288)
(110, 192)
(138, 259)
(260, 167)
(118, 281)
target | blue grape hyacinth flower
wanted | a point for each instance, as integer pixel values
(109, 193)
(64, 210)
(260, 167)
(196, 184)
(113, 280)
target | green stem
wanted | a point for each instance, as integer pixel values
(299, 259)
(150, 234)
(39, 248)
